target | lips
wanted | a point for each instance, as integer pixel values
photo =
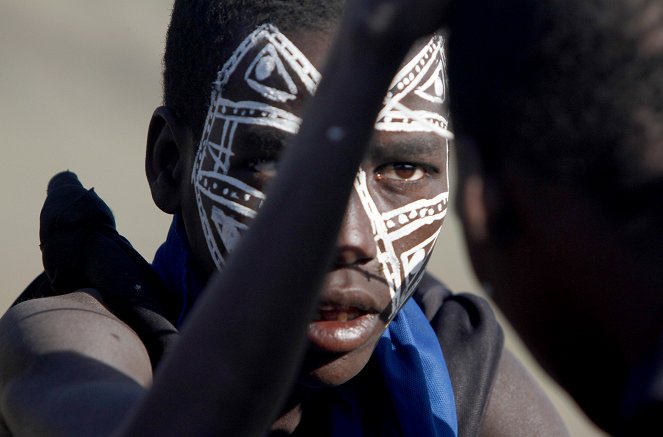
(345, 321)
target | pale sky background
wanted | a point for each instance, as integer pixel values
(79, 80)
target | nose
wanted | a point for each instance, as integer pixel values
(356, 244)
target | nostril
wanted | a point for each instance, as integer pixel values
(348, 256)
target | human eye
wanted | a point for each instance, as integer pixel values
(402, 172)
(266, 167)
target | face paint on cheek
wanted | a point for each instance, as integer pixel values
(263, 73)
(403, 264)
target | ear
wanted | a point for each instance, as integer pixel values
(473, 209)
(488, 215)
(168, 143)
(485, 218)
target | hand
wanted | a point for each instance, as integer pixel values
(82, 249)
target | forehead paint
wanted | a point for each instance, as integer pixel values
(265, 72)
(422, 79)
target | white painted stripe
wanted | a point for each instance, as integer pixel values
(234, 182)
(234, 206)
(416, 205)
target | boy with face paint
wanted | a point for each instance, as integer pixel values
(249, 110)
(309, 290)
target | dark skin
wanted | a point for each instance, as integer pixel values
(105, 369)
(561, 255)
(573, 261)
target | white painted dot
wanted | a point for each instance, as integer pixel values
(431, 211)
(411, 76)
(417, 69)
(390, 224)
(439, 87)
(225, 191)
(215, 185)
(413, 214)
(402, 219)
(335, 134)
(247, 197)
(265, 67)
(406, 81)
(422, 213)
(400, 86)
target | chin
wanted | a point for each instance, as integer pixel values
(324, 370)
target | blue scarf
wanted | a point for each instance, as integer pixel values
(408, 354)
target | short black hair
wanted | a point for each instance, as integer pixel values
(203, 33)
(571, 90)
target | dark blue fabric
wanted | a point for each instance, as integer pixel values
(173, 264)
(416, 374)
(408, 353)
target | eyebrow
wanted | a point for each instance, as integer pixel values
(267, 141)
(416, 144)
(254, 140)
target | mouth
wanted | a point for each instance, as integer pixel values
(342, 327)
(329, 313)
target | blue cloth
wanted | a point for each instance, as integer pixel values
(408, 353)
(416, 374)
(174, 265)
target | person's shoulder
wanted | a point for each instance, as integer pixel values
(495, 395)
(68, 367)
(518, 405)
(74, 323)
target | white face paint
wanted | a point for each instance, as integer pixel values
(267, 66)
(272, 71)
(421, 79)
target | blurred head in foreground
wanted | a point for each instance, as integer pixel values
(558, 109)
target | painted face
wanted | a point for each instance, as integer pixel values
(400, 191)
(263, 85)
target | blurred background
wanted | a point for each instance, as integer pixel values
(79, 80)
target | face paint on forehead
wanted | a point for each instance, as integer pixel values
(265, 72)
(421, 82)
